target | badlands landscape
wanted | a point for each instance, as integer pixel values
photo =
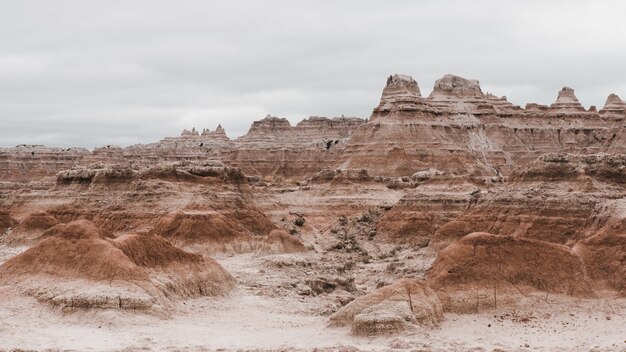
(456, 221)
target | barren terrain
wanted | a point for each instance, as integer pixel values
(266, 313)
(453, 222)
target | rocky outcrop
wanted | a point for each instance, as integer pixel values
(557, 198)
(499, 267)
(97, 173)
(454, 87)
(614, 108)
(273, 147)
(422, 211)
(33, 162)
(401, 96)
(567, 102)
(271, 128)
(203, 206)
(393, 308)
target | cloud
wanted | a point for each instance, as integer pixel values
(86, 73)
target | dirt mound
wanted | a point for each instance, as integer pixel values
(241, 230)
(77, 266)
(76, 230)
(281, 241)
(40, 220)
(485, 265)
(201, 226)
(390, 309)
(31, 228)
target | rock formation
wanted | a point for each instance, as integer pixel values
(32, 162)
(614, 108)
(78, 266)
(501, 209)
(492, 266)
(31, 228)
(391, 309)
(460, 129)
(200, 205)
(457, 128)
(567, 102)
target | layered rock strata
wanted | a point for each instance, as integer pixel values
(457, 128)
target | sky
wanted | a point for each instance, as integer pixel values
(92, 73)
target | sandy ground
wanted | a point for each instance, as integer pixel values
(270, 310)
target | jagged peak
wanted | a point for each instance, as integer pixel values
(400, 94)
(398, 84)
(566, 100)
(613, 100)
(401, 79)
(455, 86)
(614, 107)
(566, 95)
(187, 133)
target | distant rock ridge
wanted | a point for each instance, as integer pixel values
(314, 129)
(458, 128)
(207, 134)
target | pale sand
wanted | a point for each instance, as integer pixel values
(265, 313)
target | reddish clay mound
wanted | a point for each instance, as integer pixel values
(78, 266)
(481, 268)
(31, 227)
(153, 251)
(242, 230)
(77, 229)
(40, 220)
(604, 256)
(197, 226)
(281, 241)
(392, 308)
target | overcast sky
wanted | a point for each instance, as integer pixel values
(90, 73)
